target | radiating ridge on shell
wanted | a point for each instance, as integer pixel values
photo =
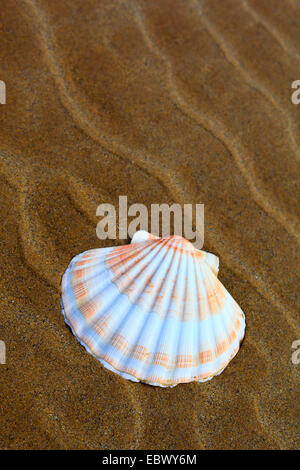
(153, 311)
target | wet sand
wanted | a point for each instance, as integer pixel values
(162, 101)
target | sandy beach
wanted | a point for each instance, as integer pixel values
(163, 101)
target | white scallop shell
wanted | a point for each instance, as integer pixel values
(153, 311)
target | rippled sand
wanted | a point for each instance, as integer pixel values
(163, 101)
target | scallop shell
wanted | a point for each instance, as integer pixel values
(153, 311)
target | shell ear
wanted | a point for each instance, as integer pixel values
(212, 261)
(142, 236)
